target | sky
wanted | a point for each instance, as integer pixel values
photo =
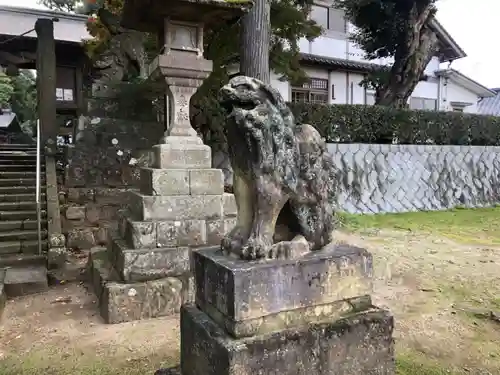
(473, 25)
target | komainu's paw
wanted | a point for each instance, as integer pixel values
(255, 248)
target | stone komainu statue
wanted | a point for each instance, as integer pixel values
(284, 179)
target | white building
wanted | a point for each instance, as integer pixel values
(335, 67)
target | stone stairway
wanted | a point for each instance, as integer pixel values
(22, 269)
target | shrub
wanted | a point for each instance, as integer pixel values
(377, 124)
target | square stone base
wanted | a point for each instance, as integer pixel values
(360, 344)
(259, 297)
(121, 302)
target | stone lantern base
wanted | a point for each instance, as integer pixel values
(145, 272)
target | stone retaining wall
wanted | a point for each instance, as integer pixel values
(377, 178)
(101, 167)
(88, 214)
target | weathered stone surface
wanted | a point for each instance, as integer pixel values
(183, 156)
(284, 177)
(120, 302)
(104, 195)
(57, 240)
(104, 151)
(152, 299)
(164, 181)
(93, 213)
(217, 229)
(141, 234)
(81, 238)
(26, 280)
(383, 178)
(242, 296)
(80, 195)
(182, 207)
(206, 181)
(229, 205)
(149, 264)
(75, 212)
(56, 257)
(181, 233)
(356, 345)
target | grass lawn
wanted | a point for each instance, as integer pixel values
(425, 263)
(473, 226)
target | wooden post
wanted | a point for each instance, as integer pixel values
(255, 41)
(46, 83)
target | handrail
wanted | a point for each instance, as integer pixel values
(38, 204)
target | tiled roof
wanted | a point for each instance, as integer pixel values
(490, 106)
(341, 63)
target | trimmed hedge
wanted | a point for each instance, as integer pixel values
(377, 124)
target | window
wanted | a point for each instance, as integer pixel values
(329, 18)
(315, 90)
(423, 104)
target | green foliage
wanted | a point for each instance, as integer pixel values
(396, 29)
(24, 99)
(384, 26)
(379, 124)
(61, 5)
(6, 89)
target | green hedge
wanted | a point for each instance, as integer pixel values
(377, 124)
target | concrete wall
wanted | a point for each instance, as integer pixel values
(398, 178)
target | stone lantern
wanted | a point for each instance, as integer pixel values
(181, 204)
(180, 25)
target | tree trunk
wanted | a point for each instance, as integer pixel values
(410, 61)
(255, 41)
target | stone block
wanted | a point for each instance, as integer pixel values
(119, 303)
(181, 233)
(164, 181)
(182, 156)
(81, 239)
(80, 195)
(116, 196)
(140, 234)
(149, 264)
(75, 213)
(249, 297)
(217, 229)
(181, 207)
(229, 205)
(356, 345)
(206, 181)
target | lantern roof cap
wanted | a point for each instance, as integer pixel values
(149, 15)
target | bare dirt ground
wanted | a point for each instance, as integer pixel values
(432, 285)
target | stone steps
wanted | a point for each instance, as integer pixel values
(21, 246)
(21, 260)
(9, 182)
(23, 197)
(20, 281)
(16, 190)
(21, 215)
(18, 167)
(19, 249)
(13, 225)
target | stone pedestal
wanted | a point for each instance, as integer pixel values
(181, 205)
(308, 316)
